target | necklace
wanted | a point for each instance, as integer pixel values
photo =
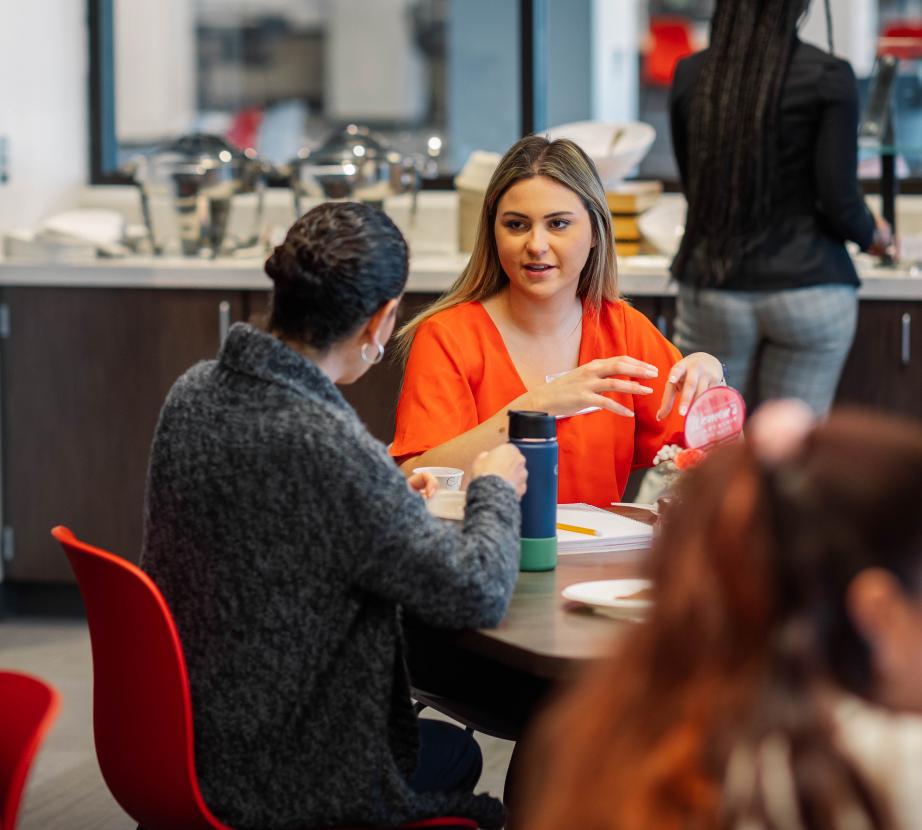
(579, 321)
(566, 338)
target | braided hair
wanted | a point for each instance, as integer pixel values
(733, 140)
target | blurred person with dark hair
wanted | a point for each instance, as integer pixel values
(286, 543)
(765, 134)
(784, 636)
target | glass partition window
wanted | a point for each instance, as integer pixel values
(441, 77)
(430, 76)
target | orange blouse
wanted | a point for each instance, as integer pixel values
(459, 374)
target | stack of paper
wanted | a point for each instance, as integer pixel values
(615, 532)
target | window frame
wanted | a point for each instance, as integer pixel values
(533, 37)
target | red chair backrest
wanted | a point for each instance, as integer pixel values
(670, 42)
(142, 712)
(27, 708)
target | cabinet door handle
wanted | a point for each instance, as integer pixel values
(224, 320)
(906, 338)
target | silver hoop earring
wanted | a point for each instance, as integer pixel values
(379, 354)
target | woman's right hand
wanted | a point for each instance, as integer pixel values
(585, 386)
(505, 461)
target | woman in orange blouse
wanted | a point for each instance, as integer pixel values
(539, 298)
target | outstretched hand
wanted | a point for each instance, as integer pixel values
(587, 385)
(691, 376)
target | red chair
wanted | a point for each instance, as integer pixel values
(142, 709)
(670, 41)
(28, 707)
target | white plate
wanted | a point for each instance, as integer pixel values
(607, 596)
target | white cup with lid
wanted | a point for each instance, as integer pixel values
(449, 478)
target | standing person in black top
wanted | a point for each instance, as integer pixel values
(764, 130)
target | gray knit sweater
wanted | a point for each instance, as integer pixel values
(286, 541)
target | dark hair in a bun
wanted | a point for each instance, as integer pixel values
(338, 265)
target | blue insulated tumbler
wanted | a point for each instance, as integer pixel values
(535, 434)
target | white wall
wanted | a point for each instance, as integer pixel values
(614, 57)
(154, 69)
(374, 70)
(43, 106)
(852, 24)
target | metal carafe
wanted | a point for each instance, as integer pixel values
(353, 163)
(196, 188)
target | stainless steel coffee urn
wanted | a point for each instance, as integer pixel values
(353, 163)
(200, 196)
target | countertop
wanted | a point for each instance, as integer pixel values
(429, 273)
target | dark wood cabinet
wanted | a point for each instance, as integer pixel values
(884, 367)
(84, 373)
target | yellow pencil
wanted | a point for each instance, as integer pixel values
(577, 529)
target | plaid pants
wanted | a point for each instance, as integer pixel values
(773, 344)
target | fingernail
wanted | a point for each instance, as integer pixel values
(683, 409)
(643, 388)
(652, 372)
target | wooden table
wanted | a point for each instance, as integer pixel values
(495, 679)
(544, 634)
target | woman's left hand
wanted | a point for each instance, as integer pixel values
(423, 483)
(690, 377)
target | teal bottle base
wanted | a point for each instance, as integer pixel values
(538, 554)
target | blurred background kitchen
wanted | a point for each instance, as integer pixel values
(278, 74)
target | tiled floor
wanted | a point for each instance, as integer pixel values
(66, 789)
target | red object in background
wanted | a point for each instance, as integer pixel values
(902, 39)
(27, 708)
(670, 41)
(142, 709)
(244, 129)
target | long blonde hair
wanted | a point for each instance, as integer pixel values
(565, 163)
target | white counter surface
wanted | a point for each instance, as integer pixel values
(429, 272)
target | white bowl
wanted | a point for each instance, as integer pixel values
(663, 225)
(616, 148)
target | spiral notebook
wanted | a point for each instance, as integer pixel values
(616, 532)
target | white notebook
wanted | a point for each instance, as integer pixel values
(615, 532)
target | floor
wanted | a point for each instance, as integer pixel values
(65, 789)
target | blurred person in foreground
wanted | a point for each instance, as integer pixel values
(769, 687)
(286, 543)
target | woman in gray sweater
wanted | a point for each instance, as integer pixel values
(286, 542)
